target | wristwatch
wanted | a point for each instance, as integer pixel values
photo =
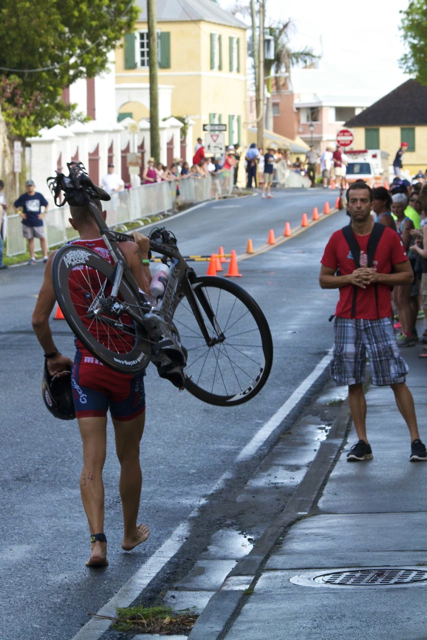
(52, 354)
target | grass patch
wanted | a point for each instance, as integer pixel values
(159, 619)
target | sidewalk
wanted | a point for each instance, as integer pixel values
(367, 515)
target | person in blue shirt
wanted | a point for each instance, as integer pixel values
(252, 158)
(32, 219)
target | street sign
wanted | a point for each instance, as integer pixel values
(215, 143)
(134, 159)
(17, 165)
(345, 137)
(134, 127)
(214, 127)
(17, 146)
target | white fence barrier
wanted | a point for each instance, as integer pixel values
(126, 206)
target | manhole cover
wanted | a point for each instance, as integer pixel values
(372, 577)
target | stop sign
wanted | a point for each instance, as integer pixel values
(345, 137)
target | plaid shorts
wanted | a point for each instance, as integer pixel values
(357, 339)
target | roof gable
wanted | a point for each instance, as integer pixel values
(190, 10)
(404, 106)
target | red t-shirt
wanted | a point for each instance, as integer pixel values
(390, 251)
(337, 156)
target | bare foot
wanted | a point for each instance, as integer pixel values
(141, 535)
(98, 556)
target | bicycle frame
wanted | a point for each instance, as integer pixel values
(177, 286)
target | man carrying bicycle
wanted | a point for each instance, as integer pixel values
(97, 388)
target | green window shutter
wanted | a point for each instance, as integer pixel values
(211, 118)
(230, 129)
(130, 62)
(212, 51)
(239, 130)
(230, 46)
(165, 50)
(372, 138)
(407, 134)
(122, 116)
(238, 57)
(220, 118)
(220, 53)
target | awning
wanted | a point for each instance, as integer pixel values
(279, 142)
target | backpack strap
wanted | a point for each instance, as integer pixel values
(373, 241)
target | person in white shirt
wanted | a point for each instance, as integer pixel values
(112, 182)
(325, 165)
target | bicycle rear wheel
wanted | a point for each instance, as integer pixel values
(235, 367)
(82, 281)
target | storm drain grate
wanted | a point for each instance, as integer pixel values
(369, 577)
(377, 577)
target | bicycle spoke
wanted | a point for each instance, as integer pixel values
(243, 354)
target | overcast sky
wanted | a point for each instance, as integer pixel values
(357, 38)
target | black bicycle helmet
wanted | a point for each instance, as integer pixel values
(58, 394)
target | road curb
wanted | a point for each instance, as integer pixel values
(224, 606)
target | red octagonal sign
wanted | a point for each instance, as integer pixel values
(345, 137)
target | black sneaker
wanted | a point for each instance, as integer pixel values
(360, 451)
(418, 451)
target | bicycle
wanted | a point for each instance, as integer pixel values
(225, 337)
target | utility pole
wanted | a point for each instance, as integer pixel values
(260, 76)
(255, 50)
(154, 90)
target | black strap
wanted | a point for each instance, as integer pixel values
(98, 537)
(373, 241)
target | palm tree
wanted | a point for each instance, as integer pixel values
(284, 57)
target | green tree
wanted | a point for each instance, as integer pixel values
(414, 32)
(48, 45)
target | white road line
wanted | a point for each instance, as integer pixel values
(265, 431)
(95, 628)
(133, 587)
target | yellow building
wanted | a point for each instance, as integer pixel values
(202, 66)
(401, 116)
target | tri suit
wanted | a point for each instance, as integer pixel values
(97, 388)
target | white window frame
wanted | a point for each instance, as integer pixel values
(138, 48)
(216, 50)
(235, 53)
(277, 105)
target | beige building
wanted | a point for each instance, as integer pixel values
(202, 67)
(400, 116)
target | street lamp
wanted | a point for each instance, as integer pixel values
(311, 127)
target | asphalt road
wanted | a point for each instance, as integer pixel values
(45, 590)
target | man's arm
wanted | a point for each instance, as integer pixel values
(403, 274)
(40, 321)
(136, 254)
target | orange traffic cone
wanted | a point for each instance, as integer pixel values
(59, 315)
(326, 208)
(271, 238)
(287, 231)
(212, 266)
(218, 264)
(333, 185)
(315, 215)
(221, 255)
(304, 221)
(250, 247)
(338, 203)
(233, 270)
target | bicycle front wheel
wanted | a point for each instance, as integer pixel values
(236, 363)
(82, 281)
